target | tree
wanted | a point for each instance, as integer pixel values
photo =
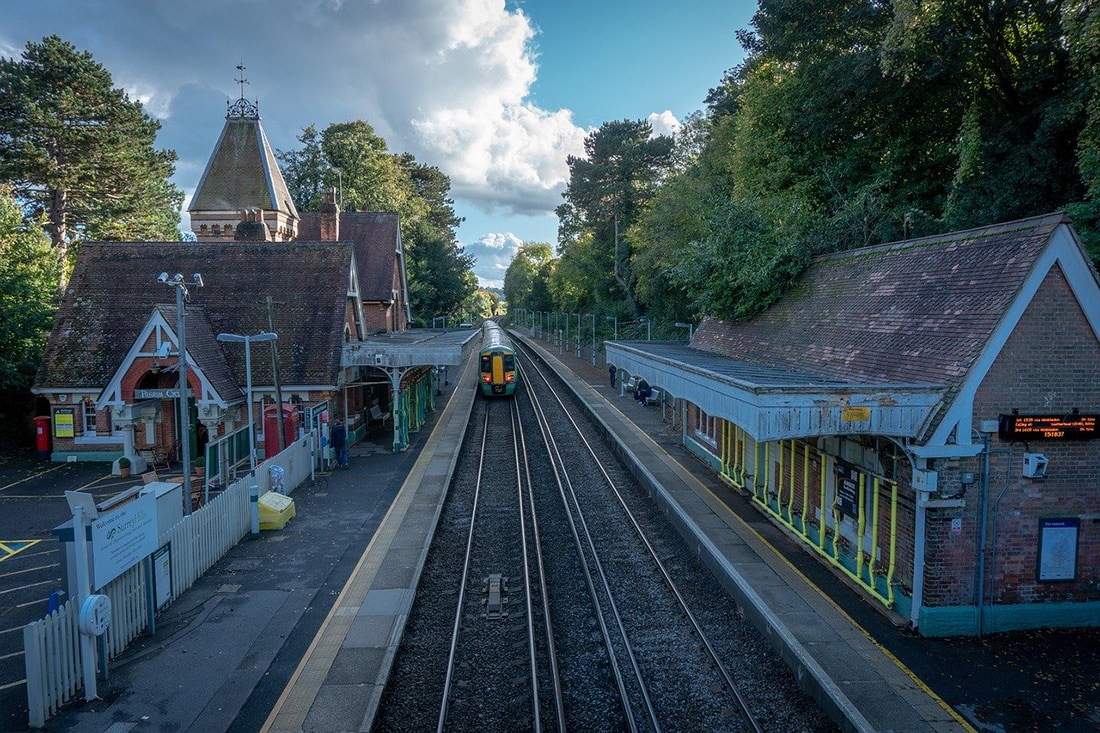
(525, 280)
(350, 156)
(608, 189)
(29, 277)
(81, 152)
(440, 273)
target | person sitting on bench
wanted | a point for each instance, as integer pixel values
(642, 392)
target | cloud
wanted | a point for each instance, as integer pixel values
(446, 80)
(664, 123)
(494, 252)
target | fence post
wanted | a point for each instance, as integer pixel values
(32, 656)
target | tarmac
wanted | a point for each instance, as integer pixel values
(251, 645)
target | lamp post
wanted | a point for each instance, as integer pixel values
(254, 493)
(578, 339)
(616, 320)
(690, 327)
(648, 328)
(176, 281)
(593, 317)
(248, 341)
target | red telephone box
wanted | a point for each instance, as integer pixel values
(271, 428)
(42, 436)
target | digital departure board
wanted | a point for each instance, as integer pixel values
(1048, 427)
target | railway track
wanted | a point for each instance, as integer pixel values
(555, 595)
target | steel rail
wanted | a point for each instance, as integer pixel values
(555, 676)
(576, 517)
(447, 683)
(665, 574)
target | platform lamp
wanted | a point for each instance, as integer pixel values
(254, 492)
(689, 326)
(176, 281)
(648, 328)
(616, 320)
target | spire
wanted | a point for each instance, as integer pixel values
(242, 175)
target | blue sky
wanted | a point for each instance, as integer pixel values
(495, 94)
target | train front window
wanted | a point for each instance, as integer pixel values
(509, 363)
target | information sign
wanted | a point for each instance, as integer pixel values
(63, 422)
(122, 538)
(1048, 427)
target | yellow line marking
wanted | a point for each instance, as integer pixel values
(11, 548)
(34, 476)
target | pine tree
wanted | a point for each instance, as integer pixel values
(80, 152)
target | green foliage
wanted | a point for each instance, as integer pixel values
(29, 276)
(607, 190)
(440, 276)
(351, 158)
(81, 152)
(526, 281)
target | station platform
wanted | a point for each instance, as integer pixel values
(295, 631)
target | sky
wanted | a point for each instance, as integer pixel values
(495, 93)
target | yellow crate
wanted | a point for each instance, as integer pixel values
(275, 510)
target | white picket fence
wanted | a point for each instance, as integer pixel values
(52, 646)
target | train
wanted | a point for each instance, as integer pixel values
(497, 374)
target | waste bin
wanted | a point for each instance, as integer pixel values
(42, 436)
(278, 479)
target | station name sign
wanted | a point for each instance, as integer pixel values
(1048, 427)
(158, 394)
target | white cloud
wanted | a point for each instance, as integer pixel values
(493, 252)
(664, 123)
(446, 80)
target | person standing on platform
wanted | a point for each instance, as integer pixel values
(611, 373)
(340, 444)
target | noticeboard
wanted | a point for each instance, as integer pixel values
(63, 422)
(1058, 549)
(847, 488)
(1048, 427)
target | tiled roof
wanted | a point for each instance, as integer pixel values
(242, 173)
(376, 237)
(913, 312)
(113, 291)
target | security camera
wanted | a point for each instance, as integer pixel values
(162, 277)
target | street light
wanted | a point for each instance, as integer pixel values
(593, 317)
(248, 341)
(253, 489)
(690, 327)
(648, 328)
(616, 320)
(578, 315)
(176, 281)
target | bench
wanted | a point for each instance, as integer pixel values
(630, 384)
(654, 397)
(377, 416)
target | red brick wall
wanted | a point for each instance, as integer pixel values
(1049, 365)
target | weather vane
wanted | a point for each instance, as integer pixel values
(242, 108)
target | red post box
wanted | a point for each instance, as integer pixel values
(42, 437)
(271, 428)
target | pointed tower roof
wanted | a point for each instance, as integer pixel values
(242, 173)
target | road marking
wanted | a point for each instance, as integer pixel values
(11, 548)
(29, 478)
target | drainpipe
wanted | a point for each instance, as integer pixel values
(918, 560)
(984, 509)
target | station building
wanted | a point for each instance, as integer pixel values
(922, 416)
(330, 284)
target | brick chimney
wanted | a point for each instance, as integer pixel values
(330, 218)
